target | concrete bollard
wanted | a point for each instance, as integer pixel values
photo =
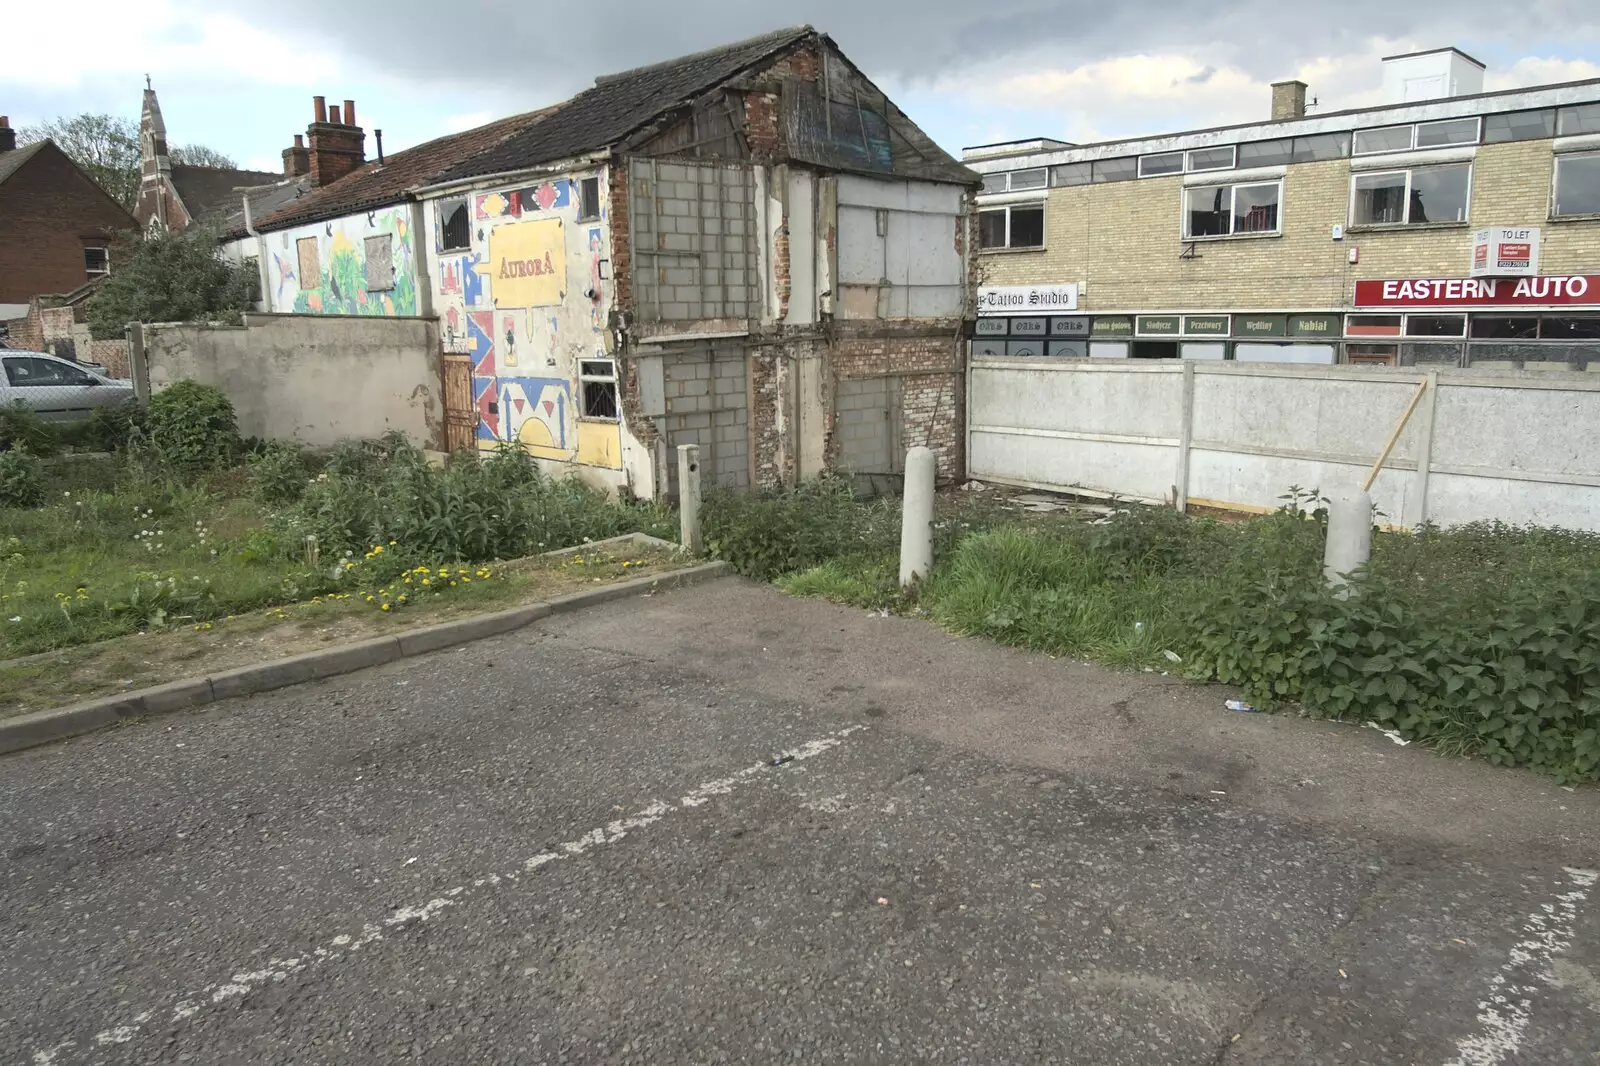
(689, 499)
(1349, 538)
(916, 517)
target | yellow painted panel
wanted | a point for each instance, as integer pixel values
(528, 262)
(600, 444)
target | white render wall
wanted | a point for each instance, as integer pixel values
(1517, 446)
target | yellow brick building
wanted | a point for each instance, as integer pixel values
(1252, 242)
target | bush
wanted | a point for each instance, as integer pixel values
(21, 479)
(22, 427)
(111, 429)
(783, 530)
(192, 425)
(277, 473)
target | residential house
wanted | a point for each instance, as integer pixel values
(57, 225)
(750, 249)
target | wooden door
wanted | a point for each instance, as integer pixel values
(460, 414)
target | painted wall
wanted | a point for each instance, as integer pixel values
(315, 379)
(529, 300)
(1510, 445)
(340, 284)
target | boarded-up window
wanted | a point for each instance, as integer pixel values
(380, 263)
(310, 268)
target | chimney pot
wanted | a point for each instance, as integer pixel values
(333, 115)
(349, 112)
(319, 109)
(1288, 100)
(299, 140)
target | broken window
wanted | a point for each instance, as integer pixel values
(380, 263)
(96, 262)
(310, 267)
(599, 380)
(588, 199)
(455, 225)
(1231, 210)
(1411, 197)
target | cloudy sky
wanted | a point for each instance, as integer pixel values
(239, 76)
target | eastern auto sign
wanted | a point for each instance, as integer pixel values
(1549, 290)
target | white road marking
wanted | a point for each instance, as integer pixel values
(345, 944)
(1503, 1017)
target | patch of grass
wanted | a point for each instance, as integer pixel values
(871, 586)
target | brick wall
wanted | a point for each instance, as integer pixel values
(49, 212)
(926, 370)
(1122, 238)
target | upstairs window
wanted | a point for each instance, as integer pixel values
(1072, 174)
(1519, 126)
(455, 225)
(1116, 169)
(588, 199)
(1015, 226)
(1414, 197)
(1575, 121)
(96, 262)
(1577, 185)
(1211, 158)
(1231, 210)
(1016, 180)
(1421, 135)
(1151, 166)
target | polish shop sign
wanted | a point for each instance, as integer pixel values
(1548, 289)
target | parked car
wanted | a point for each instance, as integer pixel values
(56, 389)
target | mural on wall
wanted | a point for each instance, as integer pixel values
(341, 287)
(596, 282)
(284, 281)
(453, 325)
(513, 327)
(528, 262)
(534, 412)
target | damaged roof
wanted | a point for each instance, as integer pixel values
(619, 104)
(381, 184)
(208, 192)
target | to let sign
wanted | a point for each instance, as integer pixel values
(1027, 299)
(1552, 290)
(1505, 251)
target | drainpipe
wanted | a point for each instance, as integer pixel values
(261, 255)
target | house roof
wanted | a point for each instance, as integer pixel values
(265, 200)
(206, 191)
(11, 162)
(377, 185)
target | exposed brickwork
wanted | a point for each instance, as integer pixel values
(49, 213)
(761, 116)
(616, 180)
(1122, 238)
(927, 366)
(335, 150)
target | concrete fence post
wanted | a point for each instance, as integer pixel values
(916, 517)
(138, 367)
(689, 498)
(1349, 539)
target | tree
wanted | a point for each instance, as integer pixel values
(198, 155)
(176, 277)
(104, 145)
(108, 148)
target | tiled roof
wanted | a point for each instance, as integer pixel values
(378, 186)
(11, 162)
(265, 200)
(618, 104)
(206, 191)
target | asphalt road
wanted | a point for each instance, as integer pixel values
(572, 844)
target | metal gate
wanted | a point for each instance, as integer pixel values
(460, 414)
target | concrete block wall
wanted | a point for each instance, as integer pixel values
(1122, 239)
(926, 371)
(707, 405)
(692, 231)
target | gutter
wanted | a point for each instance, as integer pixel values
(261, 255)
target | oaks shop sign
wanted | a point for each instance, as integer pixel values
(1480, 292)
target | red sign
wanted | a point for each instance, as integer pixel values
(1480, 292)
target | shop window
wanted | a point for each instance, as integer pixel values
(1431, 354)
(1071, 174)
(1519, 126)
(1014, 226)
(588, 199)
(1577, 185)
(1115, 169)
(1501, 327)
(1574, 121)
(1569, 327)
(1155, 349)
(96, 262)
(310, 268)
(1231, 210)
(1211, 158)
(1266, 153)
(1322, 146)
(455, 225)
(1370, 354)
(1413, 197)
(1372, 325)
(380, 263)
(1436, 326)
(599, 380)
(1151, 166)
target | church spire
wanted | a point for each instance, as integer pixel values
(155, 168)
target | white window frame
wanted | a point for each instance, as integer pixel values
(1007, 208)
(610, 378)
(1408, 171)
(1042, 187)
(1182, 162)
(1555, 183)
(1233, 159)
(1232, 187)
(103, 250)
(1411, 143)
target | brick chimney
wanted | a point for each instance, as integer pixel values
(8, 136)
(296, 159)
(338, 145)
(1288, 100)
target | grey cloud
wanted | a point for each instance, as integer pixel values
(536, 53)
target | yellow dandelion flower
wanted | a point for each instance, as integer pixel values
(385, 607)
(402, 599)
(426, 581)
(452, 584)
(466, 581)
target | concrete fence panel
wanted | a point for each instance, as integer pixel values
(312, 378)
